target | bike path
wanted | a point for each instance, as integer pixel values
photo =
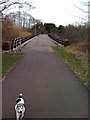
(49, 87)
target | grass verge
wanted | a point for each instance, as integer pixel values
(8, 61)
(74, 63)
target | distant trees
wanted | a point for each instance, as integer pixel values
(22, 19)
(61, 30)
(49, 27)
(38, 27)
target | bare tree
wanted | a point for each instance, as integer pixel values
(5, 4)
(81, 9)
(86, 12)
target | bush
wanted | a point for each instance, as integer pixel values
(75, 33)
(10, 31)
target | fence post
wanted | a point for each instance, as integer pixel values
(20, 44)
(12, 45)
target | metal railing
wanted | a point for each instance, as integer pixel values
(17, 43)
(59, 40)
(56, 38)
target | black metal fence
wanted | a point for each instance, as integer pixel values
(56, 38)
(17, 42)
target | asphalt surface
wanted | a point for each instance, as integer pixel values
(49, 87)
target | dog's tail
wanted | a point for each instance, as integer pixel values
(20, 95)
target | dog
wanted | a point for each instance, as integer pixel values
(20, 107)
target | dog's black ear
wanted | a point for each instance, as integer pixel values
(18, 100)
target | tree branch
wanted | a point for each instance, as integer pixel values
(2, 2)
(86, 4)
(6, 4)
(81, 9)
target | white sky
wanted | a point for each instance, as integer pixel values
(59, 12)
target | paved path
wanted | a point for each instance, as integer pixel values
(0, 99)
(50, 88)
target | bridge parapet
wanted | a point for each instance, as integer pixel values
(59, 40)
(16, 43)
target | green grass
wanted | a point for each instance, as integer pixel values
(74, 63)
(8, 61)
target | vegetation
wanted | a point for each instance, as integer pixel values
(74, 33)
(50, 27)
(8, 60)
(11, 31)
(74, 62)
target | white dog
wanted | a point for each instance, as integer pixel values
(20, 107)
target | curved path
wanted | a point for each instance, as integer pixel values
(50, 88)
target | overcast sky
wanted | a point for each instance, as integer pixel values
(59, 11)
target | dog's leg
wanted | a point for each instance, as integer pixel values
(22, 116)
(17, 116)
